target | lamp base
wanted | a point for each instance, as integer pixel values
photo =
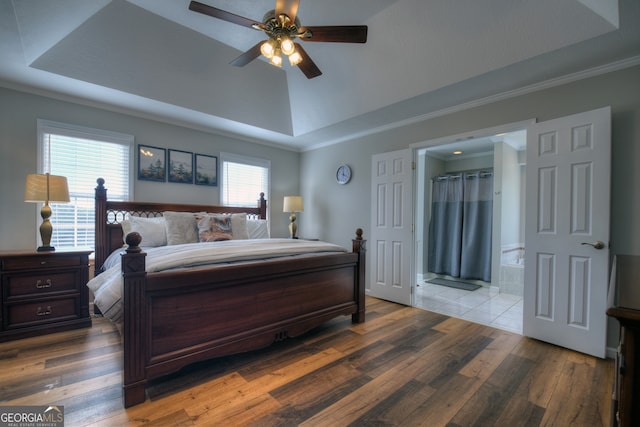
(293, 228)
(46, 229)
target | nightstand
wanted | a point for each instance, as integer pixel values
(43, 292)
(624, 305)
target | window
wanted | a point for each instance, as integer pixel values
(243, 179)
(83, 155)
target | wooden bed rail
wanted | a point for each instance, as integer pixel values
(267, 303)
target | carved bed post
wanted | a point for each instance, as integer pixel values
(101, 223)
(135, 322)
(359, 247)
(262, 204)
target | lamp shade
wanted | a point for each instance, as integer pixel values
(292, 204)
(46, 188)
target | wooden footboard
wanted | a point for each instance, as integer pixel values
(175, 318)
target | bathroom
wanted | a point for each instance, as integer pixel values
(503, 157)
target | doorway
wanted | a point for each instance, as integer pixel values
(494, 299)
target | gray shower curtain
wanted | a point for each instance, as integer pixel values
(461, 225)
(445, 228)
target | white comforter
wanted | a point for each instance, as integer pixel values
(107, 286)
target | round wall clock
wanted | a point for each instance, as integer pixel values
(343, 174)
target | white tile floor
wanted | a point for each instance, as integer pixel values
(485, 305)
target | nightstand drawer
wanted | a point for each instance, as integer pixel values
(38, 262)
(16, 285)
(43, 292)
(30, 313)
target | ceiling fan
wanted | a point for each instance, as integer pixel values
(283, 27)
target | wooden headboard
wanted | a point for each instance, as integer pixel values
(109, 215)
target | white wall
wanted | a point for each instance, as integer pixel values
(470, 163)
(511, 197)
(507, 202)
(19, 112)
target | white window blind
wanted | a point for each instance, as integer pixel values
(243, 179)
(83, 155)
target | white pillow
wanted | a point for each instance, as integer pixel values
(181, 227)
(239, 226)
(258, 229)
(152, 230)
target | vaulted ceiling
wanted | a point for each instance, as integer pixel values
(157, 59)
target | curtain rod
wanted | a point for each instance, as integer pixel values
(468, 174)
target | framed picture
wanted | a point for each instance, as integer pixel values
(152, 163)
(206, 170)
(180, 166)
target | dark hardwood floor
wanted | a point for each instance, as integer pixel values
(402, 367)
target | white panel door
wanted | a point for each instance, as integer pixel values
(391, 241)
(567, 231)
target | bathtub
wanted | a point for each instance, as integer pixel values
(512, 269)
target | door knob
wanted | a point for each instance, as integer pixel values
(597, 245)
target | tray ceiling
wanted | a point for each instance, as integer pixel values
(158, 59)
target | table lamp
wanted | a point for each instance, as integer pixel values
(292, 204)
(46, 188)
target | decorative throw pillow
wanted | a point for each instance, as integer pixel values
(181, 227)
(214, 228)
(238, 224)
(152, 230)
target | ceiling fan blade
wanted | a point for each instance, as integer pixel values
(307, 66)
(248, 56)
(222, 14)
(338, 34)
(288, 7)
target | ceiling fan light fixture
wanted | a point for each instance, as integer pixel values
(295, 58)
(287, 46)
(282, 29)
(276, 59)
(268, 49)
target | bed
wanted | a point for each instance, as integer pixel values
(175, 317)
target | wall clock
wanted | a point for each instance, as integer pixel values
(343, 174)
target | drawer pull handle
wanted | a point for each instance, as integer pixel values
(43, 262)
(44, 313)
(47, 284)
